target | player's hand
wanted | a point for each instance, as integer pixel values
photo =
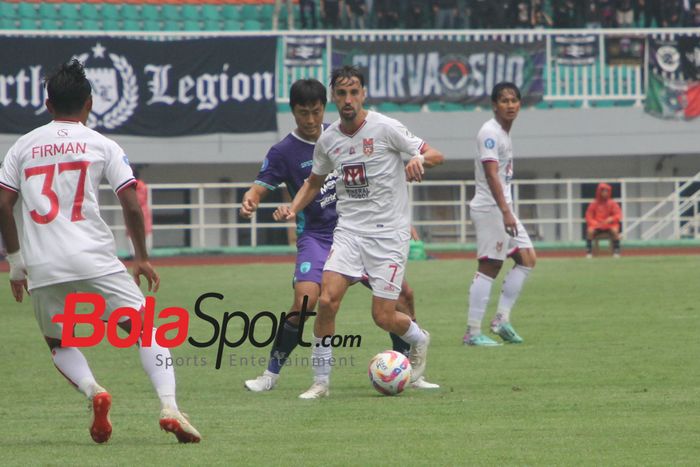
(510, 224)
(248, 207)
(144, 268)
(415, 170)
(283, 213)
(18, 288)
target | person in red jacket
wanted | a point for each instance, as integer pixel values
(603, 215)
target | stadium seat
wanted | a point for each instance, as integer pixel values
(388, 107)
(27, 10)
(70, 25)
(150, 13)
(7, 23)
(110, 24)
(151, 25)
(170, 12)
(249, 12)
(48, 24)
(210, 13)
(172, 26)
(68, 11)
(252, 25)
(27, 23)
(189, 12)
(109, 11)
(131, 25)
(231, 12)
(211, 25)
(47, 11)
(266, 11)
(91, 25)
(191, 25)
(89, 11)
(7, 10)
(129, 12)
(232, 25)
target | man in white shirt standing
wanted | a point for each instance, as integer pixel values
(54, 172)
(499, 234)
(373, 231)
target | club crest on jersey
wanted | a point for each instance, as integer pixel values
(115, 93)
(367, 146)
(352, 150)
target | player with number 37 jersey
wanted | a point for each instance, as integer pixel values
(57, 168)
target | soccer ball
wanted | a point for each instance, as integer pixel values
(389, 372)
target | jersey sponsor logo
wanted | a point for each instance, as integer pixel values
(354, 175)
(367, 146)
(62, 133)
(489, 143)
(112, 106)
(352, 150)
(265, 164)
(306, 164)
(499, 246)
(304, 267)
(125, 159)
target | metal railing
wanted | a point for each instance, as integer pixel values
(550, 209)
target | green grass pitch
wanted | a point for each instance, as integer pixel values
(608, 375)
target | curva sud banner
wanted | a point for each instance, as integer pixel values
(443, 71)
(147, 87)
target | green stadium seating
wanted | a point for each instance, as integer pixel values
(190, 12)
(27, 11)
(388, 107)
(7, 23)
(232, 25)
(68, 11)
(170, 12)
(70, 25)
(267, 10)
(212, 25)
(110, 24)
(27, 23)
(210, 13)
(249, 12)
(47, 11)
(172, 26)
(129, 12)
(91, 25)
(191, 25)
(151, 25)
(88, 11)
(150, 13)
(131, 25)
(109, 11)
(7, 11)
(231, 12)
(252, 25)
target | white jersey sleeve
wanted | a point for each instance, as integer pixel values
(9, 171)
(487, 144)
(117, 169)
(402, 139)
(322, 164)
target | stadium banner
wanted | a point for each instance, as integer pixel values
(442, 70)
(147, 87)
(624, 50)
(304, 51)
(673, 91)
(575, 50)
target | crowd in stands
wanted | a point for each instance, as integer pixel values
(233, 15)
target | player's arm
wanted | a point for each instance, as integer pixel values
(8, 229)
(429, 157)
(251, 200)
(308, 192)
(133, 217)
(491, 173)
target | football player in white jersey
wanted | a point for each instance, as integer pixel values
(54, 172)
(499, 234)
(373, 230)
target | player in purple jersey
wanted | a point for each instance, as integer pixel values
(289, 162)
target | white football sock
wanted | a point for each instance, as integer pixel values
(512, 285)
(414, 335)
(479, 294)
(72, 364)
(162, 378)
(321, 361)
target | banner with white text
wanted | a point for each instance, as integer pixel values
(442, 70)
(147, 87)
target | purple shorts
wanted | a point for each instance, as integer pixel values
(312, 251)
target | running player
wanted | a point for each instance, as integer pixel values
(54, 172)
(499, 234)
(373, 231)
(289, 162)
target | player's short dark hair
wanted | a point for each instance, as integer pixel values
(68, 87)
(347, 72)
(502, 86)
(307, 92)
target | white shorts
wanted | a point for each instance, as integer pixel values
(118, 289)
(492, 240)
(383, 260)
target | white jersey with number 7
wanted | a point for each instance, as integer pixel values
(57, 169)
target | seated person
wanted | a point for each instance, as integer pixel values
(603, 215)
